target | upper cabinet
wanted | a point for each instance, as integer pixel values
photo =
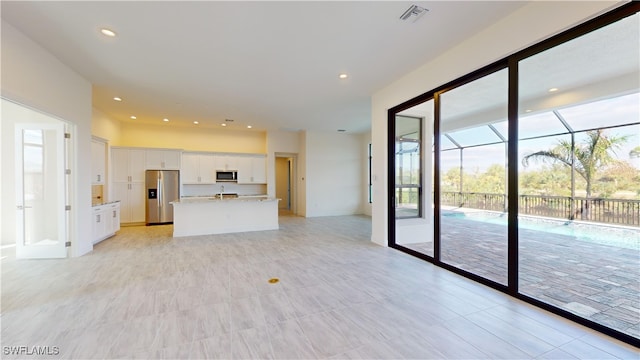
(226, 162)
(198, 168)
(162, 159)
(98, 162)
(128, 164)
(252, 169)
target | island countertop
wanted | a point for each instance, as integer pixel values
(212, 215)
(203, 199)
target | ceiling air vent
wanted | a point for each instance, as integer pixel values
(413, 12)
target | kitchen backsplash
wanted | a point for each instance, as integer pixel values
(212, 189)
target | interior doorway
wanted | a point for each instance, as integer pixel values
(285, 183)
(40, 183)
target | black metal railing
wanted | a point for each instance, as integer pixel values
(610, 211)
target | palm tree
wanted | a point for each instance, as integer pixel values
(590, 156)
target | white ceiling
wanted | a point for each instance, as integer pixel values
(273, 65)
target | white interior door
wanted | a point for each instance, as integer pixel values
(40, 191)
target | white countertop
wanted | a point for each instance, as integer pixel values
(246, 198)
(105, 203)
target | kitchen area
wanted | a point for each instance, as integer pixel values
(199, 192)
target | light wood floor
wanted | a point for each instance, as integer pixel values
(143, 294)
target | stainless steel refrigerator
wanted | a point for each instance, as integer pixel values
(163, 187)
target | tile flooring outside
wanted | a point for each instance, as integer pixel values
(144, 294)
(595, 281)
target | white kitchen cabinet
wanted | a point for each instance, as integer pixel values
(128, 164)
(99, 224)
(106, 221)
(162, 159)
(131, 196)
(113, 213)
(198, 168)
(226, 162)
(98, 162)
(252, 169)
(259, 167)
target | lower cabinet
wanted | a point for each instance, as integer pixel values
(106, 221)
(132, 201)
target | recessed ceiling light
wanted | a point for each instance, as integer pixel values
(343, 76)
(195, 122)
(223, 124)
(165, 120)
(117, 99)
(133, 117)
(553, 89)
(528, 110)
(249, 126)
(108, 32)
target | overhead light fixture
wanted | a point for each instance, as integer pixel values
(249, 126)
(107, 32)
(413, 12)
(133, 117)
(117, 99)
(223, 124)
(195, 122)
(553, 89)
(343, 76)
(165, 120)
(528, 110)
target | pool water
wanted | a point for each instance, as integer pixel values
(624, 237)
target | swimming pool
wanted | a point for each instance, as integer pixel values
(619, 236)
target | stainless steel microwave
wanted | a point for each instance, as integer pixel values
(230, 176)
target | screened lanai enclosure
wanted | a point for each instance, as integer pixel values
(525, 175)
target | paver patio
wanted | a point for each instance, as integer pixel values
(598, 282)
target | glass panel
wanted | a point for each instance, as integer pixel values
(450, 176)
(546, 123)
(475, 136)
(446, 144)
(33, 180)
(579, 194)
(408, 166)
(609, 112)
(40, 184)
(473, 231)
(414, 209)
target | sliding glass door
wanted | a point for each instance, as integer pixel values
(527, 177)
(579, 188)
(473, 158)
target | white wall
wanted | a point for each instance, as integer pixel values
(333, 174)
(191, 138)
(33, 77)
(526, 26)
(105, 127)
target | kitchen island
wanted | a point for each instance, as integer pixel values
(212, 215)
